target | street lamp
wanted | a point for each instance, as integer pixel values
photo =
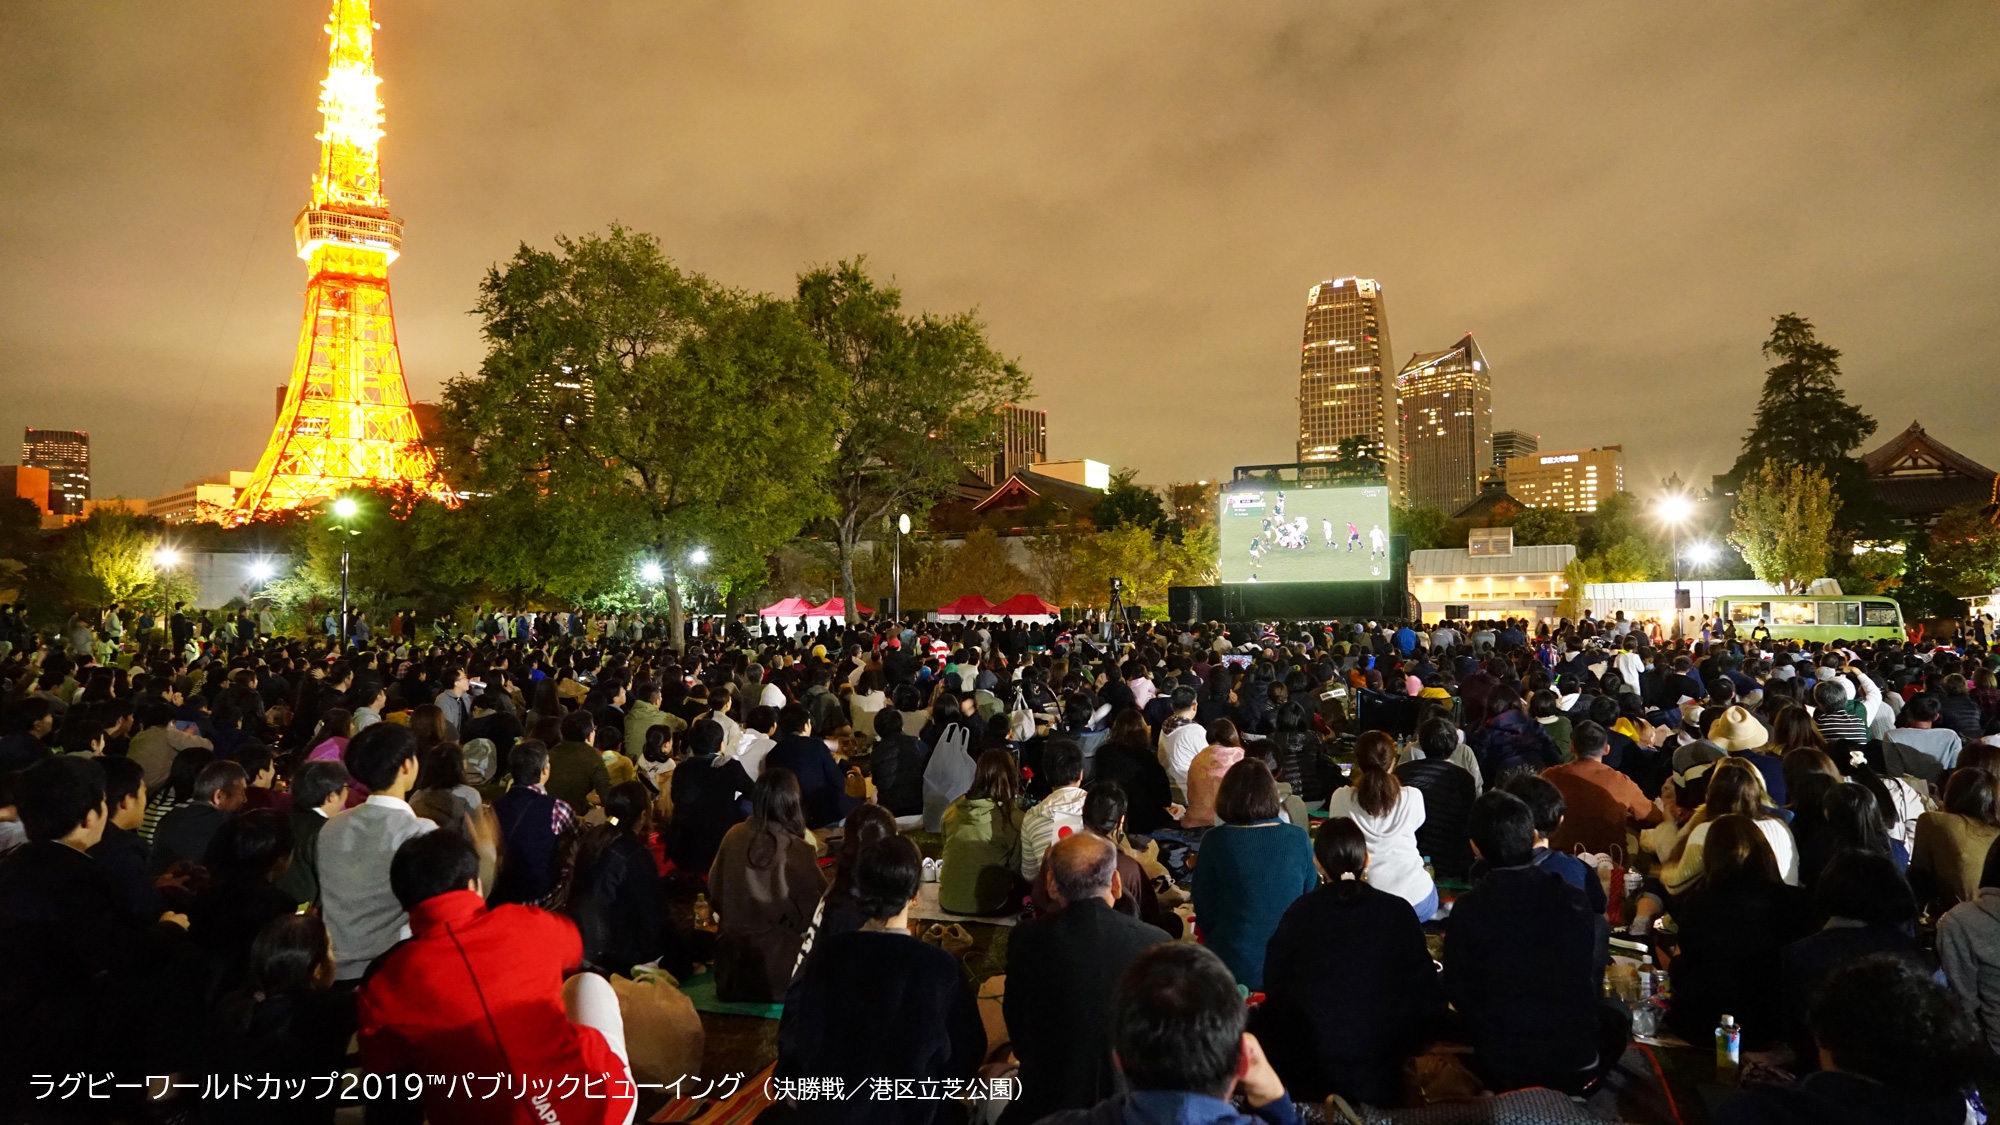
(698, 556)
(166, 557)
(1701, 555)
(1674, 509)
(344, 509)
(896, 569)
(652, 574)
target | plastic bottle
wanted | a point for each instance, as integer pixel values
(1728, 1052)
(702, 915)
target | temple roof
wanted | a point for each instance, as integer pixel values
(1914, 452)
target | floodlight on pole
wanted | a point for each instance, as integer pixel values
(1674, 508)
(346, 508)
(698, 556)
(262, 570)
(1701, 554)
(166, 556)
(652, 573)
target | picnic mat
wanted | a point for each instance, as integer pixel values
(738, 1109)
(700, 989)
(928, 910)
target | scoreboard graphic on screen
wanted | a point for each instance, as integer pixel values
(1277, 534)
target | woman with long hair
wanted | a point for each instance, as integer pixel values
(616, 897)
(1735, 921)
(839, 910)
(329, 739)
(1734, 787)
(1126, 759)
(1388, 814)
(441, 794)
(980, 868)
(1205, 773)
(1295, 747)
(285, 1021)
(1330, 1029)
(1951, 844)
(1854, 820)
(428, 724)
(1793, 729)
(765, 886)
(178, 789)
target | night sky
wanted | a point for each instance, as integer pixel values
(1615, 198)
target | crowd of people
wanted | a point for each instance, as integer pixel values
(1253, 867)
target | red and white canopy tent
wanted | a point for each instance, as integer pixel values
(788, 612)
(968, 608)
(1027, 607)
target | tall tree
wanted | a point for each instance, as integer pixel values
(1358, 460)
(628, 399)
(1962, 552)
(923, 397)
(1534, 527)
(1129, 503)
(1803, 418)
(1426, 526)
(1784, 515)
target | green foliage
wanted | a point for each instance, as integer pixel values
(1357, 460)
(1426, 526)
(1804, 419)
(1128, 503)
(922, 395)
(1963, 553)
(626, 405)
(1784, 515)
(109, 559)
(1536, 527)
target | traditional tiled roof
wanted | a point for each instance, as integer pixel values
(1919, 476)
(1026, 486)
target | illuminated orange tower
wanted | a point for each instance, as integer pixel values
(346, 421)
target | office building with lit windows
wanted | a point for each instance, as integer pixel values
(1446, 403)
(1509, 444)
(1574, 480)
(1346, 389)
(66, 456)
(1022, 440)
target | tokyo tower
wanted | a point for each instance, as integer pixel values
(346, 421)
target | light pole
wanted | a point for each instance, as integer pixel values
(1701, 555)
(896, 570)
(343, 511)
(1673, 510)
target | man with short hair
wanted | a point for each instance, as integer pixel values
(455, 700)
(1181, 738)
(533, 822)
(185, 833)
(121, 853)
(319, 793)
(363, 918)
(1448, 795)
(642, 713)
(1062, 971)
(1177, 1029)
(1602, 803)
(1060, 813)
(478, 990)
(822, 784)
(1921, 748)
(577, 773)
(159, 741)
(1524, 962)
(28, 723)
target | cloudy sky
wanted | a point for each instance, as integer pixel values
(1615, 198)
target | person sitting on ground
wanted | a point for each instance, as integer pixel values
(822, 783)
(1448, 792)
(184, 834)
(876, 1003)
(1058, 815)
(1868, 909)
(1735, 921)
(1546, 801)
(1951, 844)
(319, 792)
(1603, 805)
(839, 910)
(1126, 759)
(1734, 786)
(711, 795)
(120, 853)
(897, 762)
(1892, 1046)
(1389, 813)
(1104, 815)
(1524, 962)
(1920, 748)
(249, 855)
(362, 914)
(1180, 1044)
(537, 828)
(979, 869)
(1332, 1030)
(1205, 772)
(499, 970)
(765, 885)
(286, 1021)
(1062, 971)
(442, 795)
(1252, 867)
(1968, 945)
(576, 770)
(616, 897)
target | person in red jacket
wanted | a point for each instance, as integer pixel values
(478, 996)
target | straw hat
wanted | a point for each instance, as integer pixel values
(1738, 730)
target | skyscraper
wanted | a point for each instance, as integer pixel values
(1513, 443)
(1446, 400)
(66, 456)
(1022, 439)
(1345, 389)
(346, 418)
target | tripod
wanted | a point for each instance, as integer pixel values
(1114, 614)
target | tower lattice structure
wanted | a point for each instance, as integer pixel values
(346, 421)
